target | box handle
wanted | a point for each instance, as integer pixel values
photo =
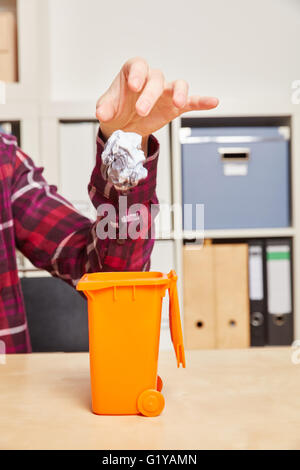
(174, 320)
(234, 153)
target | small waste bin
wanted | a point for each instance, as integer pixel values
(124, 329)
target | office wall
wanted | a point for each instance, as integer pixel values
(227, 48)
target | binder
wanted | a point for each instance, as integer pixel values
(279, 292)
(257, 288)
(232, 297)
(8, 47)
(199, 297)
(216, 302)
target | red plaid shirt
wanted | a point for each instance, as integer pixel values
(54, 236)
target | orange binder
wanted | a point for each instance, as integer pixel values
(232, 298)
(199, 297)
(216, 299)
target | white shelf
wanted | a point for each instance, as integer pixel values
(69, 110)
(17, 112)
(246, 108)
(242, 233)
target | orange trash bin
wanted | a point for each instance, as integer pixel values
(124, 328)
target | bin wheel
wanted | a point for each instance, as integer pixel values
(150, 403)
(159, 384)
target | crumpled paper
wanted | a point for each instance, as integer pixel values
(123, 160)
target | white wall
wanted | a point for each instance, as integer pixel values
(226, 48)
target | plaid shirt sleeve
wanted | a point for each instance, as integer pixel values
(55, 237)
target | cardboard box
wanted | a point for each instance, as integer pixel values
(8, 47)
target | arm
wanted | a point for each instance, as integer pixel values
(48, 229)
(55, 237)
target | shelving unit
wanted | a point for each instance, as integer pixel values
(238, 114)
(22, 97)
(30, 102)
(27, 88)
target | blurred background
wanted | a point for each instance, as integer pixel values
(241, 160)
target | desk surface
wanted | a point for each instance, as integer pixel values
(233, 399)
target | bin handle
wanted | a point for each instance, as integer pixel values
(174, 319)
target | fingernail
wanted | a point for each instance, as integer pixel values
(144, 106)
(136, 83)
(180, 99)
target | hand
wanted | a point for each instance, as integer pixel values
(140, 100)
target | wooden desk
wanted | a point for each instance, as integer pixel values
(233, 399)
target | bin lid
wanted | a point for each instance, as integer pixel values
(96, 281)
(174, 320)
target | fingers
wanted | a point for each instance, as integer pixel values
(149, 85)
(151, 93)
(180, 93)
(136, 71)
(198, 103)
